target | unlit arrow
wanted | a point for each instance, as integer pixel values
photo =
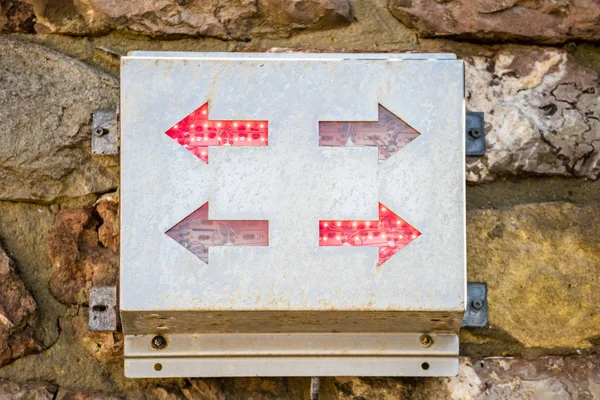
(197, 233)
(390, 233)
(196, 132)
(389, 133)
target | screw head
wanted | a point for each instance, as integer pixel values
(477, 304)
(100, 131)
(425, 341)
(159, 342)
(474, 133)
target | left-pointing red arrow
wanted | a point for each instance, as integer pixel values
(197, 233)
(196, 132)
(390, 233)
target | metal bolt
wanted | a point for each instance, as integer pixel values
(474, 133)
(477, 304)
(100, 131)
(159, 342)
(425, 340)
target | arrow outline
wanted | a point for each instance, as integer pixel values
(385, 118)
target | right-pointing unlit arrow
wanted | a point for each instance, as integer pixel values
(389, 133)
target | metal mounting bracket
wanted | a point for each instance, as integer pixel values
(298, 354)
(476, 314)
(475, 134)
(105, 131)
(103, 309)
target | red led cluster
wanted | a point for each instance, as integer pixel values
(196, 132)
(390, 233)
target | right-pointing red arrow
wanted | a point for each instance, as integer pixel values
(389, 133)
(197, 233)
(390, 233)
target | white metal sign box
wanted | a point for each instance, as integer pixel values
(292, 214)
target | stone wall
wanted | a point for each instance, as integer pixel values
(533, 200)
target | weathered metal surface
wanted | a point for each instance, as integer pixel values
(105, 132)
(290, 366)
(290, 344)
(292, 183)
(177, 321)
(476, 314)
(315, 387)
(292, 284)
(474, 134)
(293, 56)
(103, 308)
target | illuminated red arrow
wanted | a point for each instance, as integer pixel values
(196, 132)
(389, 134)
(197, 233)
(390, 233)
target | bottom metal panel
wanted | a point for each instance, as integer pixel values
(290, 366)
(291, 354)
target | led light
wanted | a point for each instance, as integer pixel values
(325, 238)
(387, 237)
(184, 132)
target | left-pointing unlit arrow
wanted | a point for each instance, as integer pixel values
(197, 233)
(196, 133)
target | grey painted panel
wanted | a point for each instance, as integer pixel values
(292, 183)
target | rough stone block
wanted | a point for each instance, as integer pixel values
(542, 266)
(542, 114)
(46, 100)
(17, 314)
(543, 21)
(16, 16)
(237, 19)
